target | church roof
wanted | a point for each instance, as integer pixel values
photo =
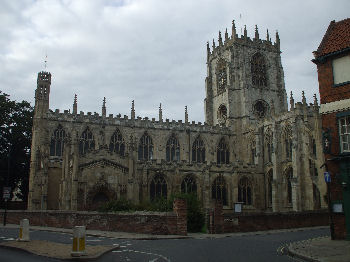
(337, 38)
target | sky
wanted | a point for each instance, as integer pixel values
(150, 51)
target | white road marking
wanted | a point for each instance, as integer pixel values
(93, 240)
(9, 239)
(145, 253)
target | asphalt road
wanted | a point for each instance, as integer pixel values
(248, 247)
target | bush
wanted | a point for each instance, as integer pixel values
(117, 205)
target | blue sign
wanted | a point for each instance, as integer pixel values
(327, 177)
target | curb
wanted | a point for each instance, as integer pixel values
(292, 253)
(82, 258)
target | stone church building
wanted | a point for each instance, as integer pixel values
(251, 149)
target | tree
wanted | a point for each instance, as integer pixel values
(16, 120)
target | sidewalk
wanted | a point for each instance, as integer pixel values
(321, 249)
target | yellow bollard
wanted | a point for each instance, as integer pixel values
(78, 248)
(23, 230)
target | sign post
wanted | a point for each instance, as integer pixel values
(327, 179)
(6, 194)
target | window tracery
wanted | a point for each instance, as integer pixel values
(258, 70)
(222, 114)
(172, 149)
(245, 191)
(221, 76)
(86, 142)
(219, 190)
(289, 177)
(269, 187)
(198, 151)
(57, 142)
(145, 150)
(260, 108)
(189, 185)
(222, 152)
(158, 187)
(117, 144)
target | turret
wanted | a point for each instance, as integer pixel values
(133, 109)
(160, 113)
(104, 107)
(75, 105)
(186, 115)
(42, 94)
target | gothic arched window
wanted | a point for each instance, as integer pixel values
(245, 191)
(172, 149)
(222, 152)
(145, 151)
(221, 76)
(198, 151)
(269, 145)
(289, 178)
(258, 70)
(86, 142)
(189, 185)
(260, 108)
(288, 146)
(158, 187)
(57, 142)
(222, 114)
(269, 187)
(117, 144)
(218, 190)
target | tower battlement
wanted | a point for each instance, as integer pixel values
(44, 77)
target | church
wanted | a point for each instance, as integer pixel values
(252, 149)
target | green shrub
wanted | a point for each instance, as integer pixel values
(117, 205)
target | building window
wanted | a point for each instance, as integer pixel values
(198, 151)
(221, 76)
(344, 134)
(269, 187)
(245, 191)
(289, 147)
(172, 149)
(222, 152)
(86, 142)
(188, 185)
(341, 70)
(57, 142)
(289, 178)
(260, 108)
(145, 151)
(313, 144)
(218, 190)
(117, 144)
(258, 69)
(158, 187)
(222, 114)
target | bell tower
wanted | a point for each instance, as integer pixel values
(245, 80)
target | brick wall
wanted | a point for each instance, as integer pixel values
(270, 221)
(161, 223)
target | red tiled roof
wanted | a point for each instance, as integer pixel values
(336, 38)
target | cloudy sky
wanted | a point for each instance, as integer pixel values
(150, 51)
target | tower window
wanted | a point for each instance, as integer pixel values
(117, 144)
(145, 150)
(258, 69)
(222, 114)
(172, 149)
(86, 142)
(198, 151)
(221, 76)
(260, 108)
(57, 142)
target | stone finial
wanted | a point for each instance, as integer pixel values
(213, 44)
(277, 40)
(133, 109)
(226, 35)
(160, 113)
(104, 107)
(303, 97)
(233, 29)
(291, 101)
(245, 32)
(256, 32)
(268, 36)
(75, 105)
(186, 115)
(315, 100)
(220, 39)
(208, 51)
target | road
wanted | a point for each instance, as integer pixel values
(246, 247)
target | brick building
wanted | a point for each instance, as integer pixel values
(333, 66)
(251, 149)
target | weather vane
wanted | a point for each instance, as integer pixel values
(45, 61)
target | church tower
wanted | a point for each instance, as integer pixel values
(37, 198)
(245, 80)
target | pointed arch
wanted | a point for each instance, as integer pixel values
(222, 152)
(289, 189)
(87, 142)
(158, 187)
(172, 149)
(219, 189)
(245, 191)
(288, 144)
(117, 144)
(268, 144)
(221, 75)
(145, 149)
(258, 70)
(269, 187)
(189, 185)
(198, 150)
(57, 142)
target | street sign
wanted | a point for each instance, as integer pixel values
(327, 177)
(6, 192)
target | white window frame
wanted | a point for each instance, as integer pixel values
(344, 133)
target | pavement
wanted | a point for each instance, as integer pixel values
(321, 249)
